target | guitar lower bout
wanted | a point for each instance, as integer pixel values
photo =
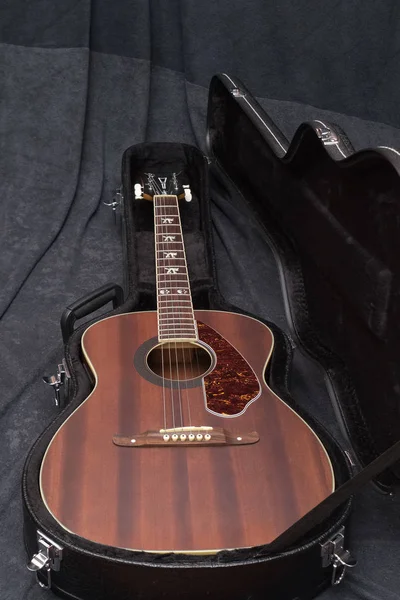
(211, 459)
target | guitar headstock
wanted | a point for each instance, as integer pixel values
(153, 184)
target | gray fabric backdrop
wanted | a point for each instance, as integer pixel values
(81, 81)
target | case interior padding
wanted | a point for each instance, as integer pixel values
(335, 229)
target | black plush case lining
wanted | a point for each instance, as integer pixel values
(94, 571)
(335, 228)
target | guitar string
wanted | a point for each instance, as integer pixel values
(189, 349)
(175, 333)
(157, 292)
(170, 280)
(195, 350)
(184, 313)
(176, 323)
(163, 343)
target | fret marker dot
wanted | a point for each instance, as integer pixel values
(133, 441)
(239, 439)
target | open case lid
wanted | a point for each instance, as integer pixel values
(334, 220)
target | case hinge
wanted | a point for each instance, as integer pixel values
(56, 381)
(237, 92)
(327, 136)
(47, 559)
(334, 553)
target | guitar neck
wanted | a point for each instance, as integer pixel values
(176, 321)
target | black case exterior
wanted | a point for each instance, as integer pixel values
(92, 571)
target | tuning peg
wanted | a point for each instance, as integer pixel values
(188, 193)
(138, 191)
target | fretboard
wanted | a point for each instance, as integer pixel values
(174, 301)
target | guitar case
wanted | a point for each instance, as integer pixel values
(306, 198)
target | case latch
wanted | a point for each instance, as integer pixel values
(47, 559)
(56, 381)
(115, 202)
(333, 553)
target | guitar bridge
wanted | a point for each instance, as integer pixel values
(187, 436)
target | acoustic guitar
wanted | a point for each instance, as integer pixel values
(181, 446)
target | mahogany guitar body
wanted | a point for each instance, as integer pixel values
(261, 469)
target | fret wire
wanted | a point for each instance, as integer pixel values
(177, 331)
(176, 302)
(174, 319)
(165, 328)
(178, 318)
(176, 312)
(184, 326)
(184, 336)
(180, 309)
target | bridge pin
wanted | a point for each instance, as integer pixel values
(199, 437)
(207, 437)
(191, 437)
(166, 437)
(175, 437)
(183, 437)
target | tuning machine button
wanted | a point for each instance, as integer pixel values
(138, 189)
(188, 193)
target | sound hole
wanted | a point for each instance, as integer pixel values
(179, 360)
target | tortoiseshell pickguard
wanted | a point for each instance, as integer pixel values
(232, 384)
